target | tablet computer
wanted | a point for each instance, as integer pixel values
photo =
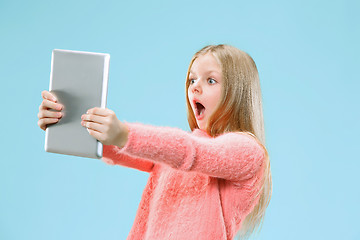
(79, 81)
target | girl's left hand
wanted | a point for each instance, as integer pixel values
(103, 125)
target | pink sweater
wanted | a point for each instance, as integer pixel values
(199, 187)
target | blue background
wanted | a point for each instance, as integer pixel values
(307, 53)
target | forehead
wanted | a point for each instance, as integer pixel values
(205, 63)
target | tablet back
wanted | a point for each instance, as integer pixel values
(79, 82)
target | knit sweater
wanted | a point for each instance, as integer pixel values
(199, 187)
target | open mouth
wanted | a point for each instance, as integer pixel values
(199, 109)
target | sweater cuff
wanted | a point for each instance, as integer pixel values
(108, 152)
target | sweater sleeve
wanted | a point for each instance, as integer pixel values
(113, 156)
(232, 156)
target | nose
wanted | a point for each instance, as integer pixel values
(196, 87)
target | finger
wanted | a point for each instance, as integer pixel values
(95, 134)
(48, 95)
(46, 121)
(94, 126)
(100, 111)
(47, 104)
(94, 118)
(49, 114)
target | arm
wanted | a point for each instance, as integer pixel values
(112, 156)
(231, 156)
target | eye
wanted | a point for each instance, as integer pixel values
(192, 81)
(211, 81)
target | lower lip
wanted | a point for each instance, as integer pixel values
(199, 117)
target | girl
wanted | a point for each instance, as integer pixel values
(208, 184)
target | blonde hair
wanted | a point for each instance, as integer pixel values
(239, 110)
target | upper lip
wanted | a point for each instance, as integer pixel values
(195, 101)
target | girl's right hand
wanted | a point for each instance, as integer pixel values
(46, 115)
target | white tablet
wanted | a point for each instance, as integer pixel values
(79, 81)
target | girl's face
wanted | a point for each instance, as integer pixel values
(204, 91)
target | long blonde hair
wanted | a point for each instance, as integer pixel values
(240, 110)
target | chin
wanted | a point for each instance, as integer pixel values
(201, 126)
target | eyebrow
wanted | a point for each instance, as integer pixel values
(208, 72)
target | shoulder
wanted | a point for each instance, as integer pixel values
(247, 139)
(240, 135)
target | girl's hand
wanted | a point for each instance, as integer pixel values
(45, 115)
(103, 125)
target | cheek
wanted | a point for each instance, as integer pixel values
(189, 94)
(214, 103)
(216, 97)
